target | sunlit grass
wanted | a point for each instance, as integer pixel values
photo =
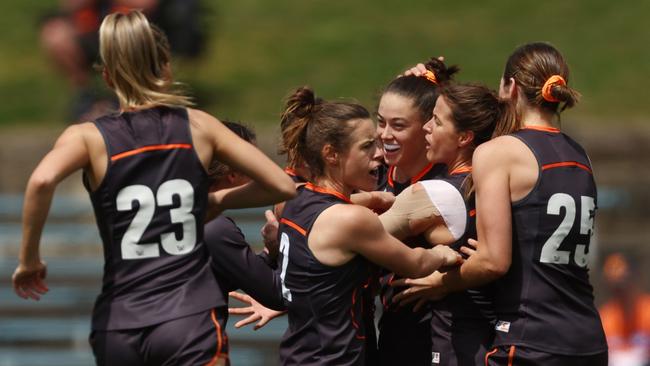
(259, 51)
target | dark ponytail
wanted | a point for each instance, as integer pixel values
(443, 73)
(531, 66)
(293, 122)
(478, 109)
(309, 123)
(422, 91)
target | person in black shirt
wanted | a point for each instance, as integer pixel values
(405, 106)
(145, 169)
(535, 201)
(235, 264)
(442, 209)
(327, 244)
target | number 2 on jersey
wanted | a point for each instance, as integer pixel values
(130, 245)
(551, 252)
(284, 249)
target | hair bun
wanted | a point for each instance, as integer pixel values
(440, 70)
(301, 103)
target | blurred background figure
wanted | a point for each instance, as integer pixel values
(626, 315)
(69, 36)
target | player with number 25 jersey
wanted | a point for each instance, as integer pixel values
(545, 301)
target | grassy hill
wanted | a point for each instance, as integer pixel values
(259, 50)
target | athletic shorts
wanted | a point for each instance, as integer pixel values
(197, 339)
(524, 356)
(461, 342)
(403, 342)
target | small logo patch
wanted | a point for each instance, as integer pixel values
(435, 357)
(502, 326)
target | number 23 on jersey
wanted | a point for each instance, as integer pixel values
(130, 245)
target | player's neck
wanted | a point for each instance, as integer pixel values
(537, 117)
(333, 185)
(405, 172)
(460, 164)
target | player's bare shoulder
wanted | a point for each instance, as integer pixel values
(498, 151)
(347, 219)
(201, 120)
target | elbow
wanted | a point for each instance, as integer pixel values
(289, 193)
(41, 183)
(496, 269)
(287, 190)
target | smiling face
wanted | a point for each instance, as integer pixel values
(442, 137)
(399, 126)
(360, 163)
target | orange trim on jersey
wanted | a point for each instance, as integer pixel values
(542, 128)
(390, 280)
(391, 170)
(354, 323)
(291, 171)
(460, 170)
(564, 164)
(415, 179)
(421, 174)
(218, 355)
(149, 148)
(511, 355)
(294, 225)
(318, 189)
(472, 212)
(487, 355)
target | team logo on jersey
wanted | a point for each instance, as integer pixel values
(435, 357)
(502, 326)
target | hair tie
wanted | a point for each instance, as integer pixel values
(429, 75)
(550, 83)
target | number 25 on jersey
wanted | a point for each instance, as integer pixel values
(551, 252)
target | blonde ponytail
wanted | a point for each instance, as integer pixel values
(136, 60)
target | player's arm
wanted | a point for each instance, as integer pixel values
(493, 253)
(357, 229)
(69, 154)
(270, 183)
(236, 262)
(377, 201)
(414, 213)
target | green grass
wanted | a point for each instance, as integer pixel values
(260, 50)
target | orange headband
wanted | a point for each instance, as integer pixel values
(429, 75)
(550, 83)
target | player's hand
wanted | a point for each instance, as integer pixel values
(256, 312)
(470, 249)
(381, 201)
(450, 257)
(419, 290)
(270, 234)
(378, 201)
(420, 69)
(29, 280)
